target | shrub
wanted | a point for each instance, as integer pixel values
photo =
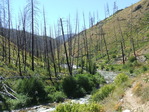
(99, 78)
(79, 71)
(102, 67)
(119, 69)
(54, 95)
(112, 68)
(107, 69)
(147, 56)
(3, 104)
(103, 92)
(34, 88)
(114, 56)
(132, 59)
(144, 68)
(131, 71)
(70, 87)
(91, 67)
(22, 101)
(72, 107)
(120, 78)
(84, 82)
(57, 96)
(89, 81)
(80, 84)
(50, 89)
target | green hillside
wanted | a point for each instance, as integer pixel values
(70, 69)
(128, 27)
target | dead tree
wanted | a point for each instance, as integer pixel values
(131, 36)
(121, 33)
(78, 36)
(53, 55)
(70, 43)
(105, 43)
(65, 48)
(32, 16)
(9, 23)
(122, 42)
(19, 49)
(46, 47)
(4, 33)
(85, 39)
(32, 10)
(24, 38)
(58, 51)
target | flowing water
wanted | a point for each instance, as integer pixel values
(109, 77)
(52, 106)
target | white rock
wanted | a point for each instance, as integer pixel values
(126, 110)
(121, 100)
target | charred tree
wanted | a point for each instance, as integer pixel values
(65, 48)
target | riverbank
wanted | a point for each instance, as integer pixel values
(109, 77)
(50, 107)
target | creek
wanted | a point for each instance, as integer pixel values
(109, 77)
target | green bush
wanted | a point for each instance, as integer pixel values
(120, 78)
(80, 84)
(34, 88)
(114, 56)
(50, 89)
(119, 69)
(71, 88)
(91, 67)
(57, 96)
(69, 85)
(72, 107)
(107, 69)
(89, 81)
(22, 101)
(84, 82)
(79, 71)
(102, 67)
(103, 92)
(147, 56)
(131, 71)
(54, 95)
(112, 68)
(99, 78)
(144, 68)
(132, 59)
(3, 105)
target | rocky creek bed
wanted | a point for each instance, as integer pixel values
(109, 77)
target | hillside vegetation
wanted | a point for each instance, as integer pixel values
(31, 74)
(117, 39)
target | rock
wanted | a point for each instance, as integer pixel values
(121, 100)
(141, 59)
(126, 110)
(137, 8)
(108, 75)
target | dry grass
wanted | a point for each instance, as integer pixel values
(141, 88)
(108, 27)
(114, 101)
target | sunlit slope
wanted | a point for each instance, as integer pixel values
(12, 69)
(127, 25)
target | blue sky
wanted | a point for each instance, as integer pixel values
(56, 9)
